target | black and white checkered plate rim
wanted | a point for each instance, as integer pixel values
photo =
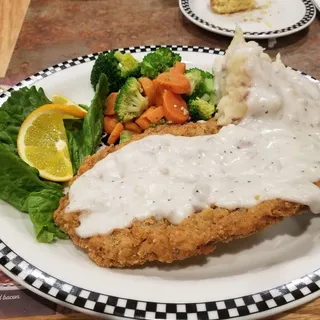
(306, 20)
(100, 303)
(93, 56)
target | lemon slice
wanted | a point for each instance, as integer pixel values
(58, 99)
(62, 100)
(42, 140)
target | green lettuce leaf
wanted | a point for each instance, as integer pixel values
(84, 106)
(41, 205)
(21, 187)
(84, 137)
(15, 110)
(20, 184)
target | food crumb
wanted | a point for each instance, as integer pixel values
(184, 110)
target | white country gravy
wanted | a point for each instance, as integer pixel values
(273, 152)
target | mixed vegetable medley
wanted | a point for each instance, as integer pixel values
(155, 91)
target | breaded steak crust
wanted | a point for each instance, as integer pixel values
(153, 240)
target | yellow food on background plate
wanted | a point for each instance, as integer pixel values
(42, 140)
(232, 6)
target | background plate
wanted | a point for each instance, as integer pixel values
(251, 277)
(275, 18)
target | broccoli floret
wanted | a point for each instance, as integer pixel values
(202, 85)
(157, 62)
(206, 90)
(200, 109)
(125, 136)
(107, 64)
(130, 103)
(208, 84)
(196, 78)
(129, 66)
(201, 103)
(117, 66)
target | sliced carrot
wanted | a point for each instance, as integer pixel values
(145, 114)
(109, 124)
(174, 82)
(153, 114)
(110, 103)
(143, 123)
(148, 89)
(159, 92)
(131, 126)
(174, 107)
(115, 134)
(179, 67)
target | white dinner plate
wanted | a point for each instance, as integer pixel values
(271, 19)
(253, 278)
(317, 4)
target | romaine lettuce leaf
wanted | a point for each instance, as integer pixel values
(41, 205)
(15, 110)
(84, 138)
(21, 186)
